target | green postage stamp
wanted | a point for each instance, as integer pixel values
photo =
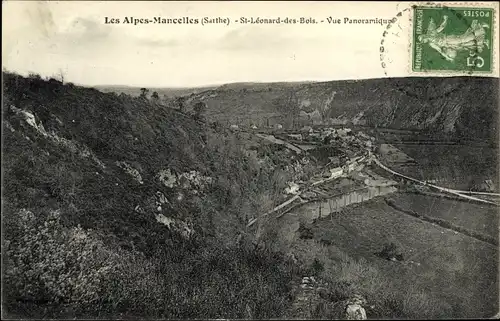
(452, 39)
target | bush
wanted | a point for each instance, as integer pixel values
(385, 299)
(199, 109)
(390, 252)
(50, 263)
(53, 268)
(317, 267)
(305, 232)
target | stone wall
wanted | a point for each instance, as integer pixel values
(325, 207)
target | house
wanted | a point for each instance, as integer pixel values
(335, 160)
(363, 135)
(234, 127)
(315, 135)
(306, 129)
(292, 188)
(351, 167)
(295, 136)
(343, 131)
(336, 172)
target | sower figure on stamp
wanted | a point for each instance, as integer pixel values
(473, 39)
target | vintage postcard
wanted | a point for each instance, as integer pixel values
(250, 160)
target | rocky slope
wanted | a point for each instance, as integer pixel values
(460, 106)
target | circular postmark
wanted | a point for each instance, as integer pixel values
(423, 87)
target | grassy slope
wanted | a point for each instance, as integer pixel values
(128, 130)
(459, 167)
(162, 273)
(478, 217)
(457, 275)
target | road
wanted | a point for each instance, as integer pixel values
(278, 141)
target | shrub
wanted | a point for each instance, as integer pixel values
(317, 267)
(305, 232)
(199, 110)
(390, 252)
(34, 76)
(385, 299)
(325, 241)
(51, 263)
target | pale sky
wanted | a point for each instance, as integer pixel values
(46, 37)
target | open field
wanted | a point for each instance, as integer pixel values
(169, 92)
(478, 217)
(458, 274)
(457, 167)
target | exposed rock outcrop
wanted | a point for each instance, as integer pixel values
(179, 226)
(131, 171)
(167, 178)
(73, 146)
(354, 308)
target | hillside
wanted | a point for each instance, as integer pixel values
(458, 106)
(181, 91)
(117, 206)
(162, 91)
(113, 205)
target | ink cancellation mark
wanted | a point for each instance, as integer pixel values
(452, 39)
(392, 37)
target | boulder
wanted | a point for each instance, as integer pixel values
(354, 308)
(292, 188)
(167, 178)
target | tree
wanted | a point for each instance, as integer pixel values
(60, 75)
(180, 103)
(199, 109)
(155, 96)
(144, 92)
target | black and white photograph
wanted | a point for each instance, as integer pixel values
(304, 160)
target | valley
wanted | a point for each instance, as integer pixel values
(436, 238)
(252, 200)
